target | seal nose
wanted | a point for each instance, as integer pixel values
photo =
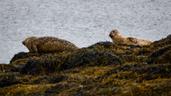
(110, 35)
(23, 43)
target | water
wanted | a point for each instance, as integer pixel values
(82, 22)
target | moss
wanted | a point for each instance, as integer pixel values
(83, 57)
(161, 43)
(162, 55)
(90, 57)
(118, 49)
(101, 69)
(7, 68)
(25, 90)
(144, 51)
(159, 87)
(8, 79)
(43, 65)
(21, 58)
(49, 79)
(23, 55)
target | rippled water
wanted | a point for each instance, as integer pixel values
(82, 22)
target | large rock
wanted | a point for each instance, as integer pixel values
(44, 64)
(21, 58)
(128, 53)
(82, 57)
(162, 55)
(118, 49)
(90, 57)
(161, 43)
(23, 55)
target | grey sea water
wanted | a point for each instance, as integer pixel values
(82, 22)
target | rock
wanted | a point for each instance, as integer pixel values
(161, 43)
(43, 65)
(23, 55)
(162, 55)
(82, 57)
(106, 44)
(8, 79)
(20, 59)
(7, 68)
(90, 57)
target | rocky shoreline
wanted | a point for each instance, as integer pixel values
(103, 69)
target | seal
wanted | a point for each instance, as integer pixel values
(48, 45)
(117, 38)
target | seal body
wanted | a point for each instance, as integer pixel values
(120, 39)
(48, 44)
